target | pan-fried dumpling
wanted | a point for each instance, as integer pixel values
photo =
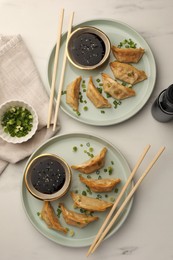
(76, 219)
(93, 164)
(127, 72)
(72, 94)
(102, 185)
(95, 96)
(48, 215)
(88, 203)
(127, 54)
(115, 89)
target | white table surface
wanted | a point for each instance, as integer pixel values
(148, 231)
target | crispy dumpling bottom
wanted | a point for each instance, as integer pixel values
(76, 219)
(95, 96)
(50, 218)
(115, 89)
(102, 185)
(72, 94)
(127, 72)
(92, 165)
(127, 54)
(89, 203)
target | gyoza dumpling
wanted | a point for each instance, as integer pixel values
(127, 54)
(127, 72)
(76, 219)
(48, 215)
(102, 185)
(115, 89)
(89, 203)
(93, 164)
(72, 94)
(95, 96)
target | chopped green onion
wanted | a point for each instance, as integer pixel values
(108, 95)
(71, 233)
(99, 196)
(127, 44)
(17, 121)
(91, 149)
(59, 211)
(85, 108)
(63, 92)
(100, 90)
(110, 170)
(74, 148)
(112, 199)
(84, 193)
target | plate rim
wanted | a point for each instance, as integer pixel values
(143, 101)
(24, 190)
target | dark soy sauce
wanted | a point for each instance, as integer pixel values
(88, 49)
(48, 176)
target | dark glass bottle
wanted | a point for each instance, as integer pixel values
(162, 108)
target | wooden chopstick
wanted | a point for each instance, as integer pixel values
(62, 73)
(52, 91)
(127, 199)
(118, 198)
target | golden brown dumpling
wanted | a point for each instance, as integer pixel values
(93, 164)
(127, 72)
(48, 215)
(127, 54)
(115, 89)
(72, 94)
(76, 219)
(95, 96)
(102, 185)
(89, 203)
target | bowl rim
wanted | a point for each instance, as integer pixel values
(16, 140)
(44, 196)
(100, 34)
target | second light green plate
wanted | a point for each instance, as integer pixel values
(116, 31)
(63, 146)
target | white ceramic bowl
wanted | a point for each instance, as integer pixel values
(6, 136)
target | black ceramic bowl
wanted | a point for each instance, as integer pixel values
(48, 177)
(88, 48)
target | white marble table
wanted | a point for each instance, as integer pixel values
(148, 231)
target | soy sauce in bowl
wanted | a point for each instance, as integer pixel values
(88, 48)
(48, 177)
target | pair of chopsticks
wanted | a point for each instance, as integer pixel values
(61, 17)
(108, 223)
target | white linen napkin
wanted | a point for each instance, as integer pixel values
(19, 80)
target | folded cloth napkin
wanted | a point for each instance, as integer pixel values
(19, 80)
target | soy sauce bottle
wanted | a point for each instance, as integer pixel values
(162, 108)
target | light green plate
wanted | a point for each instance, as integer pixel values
(63, 146)
(116, 32)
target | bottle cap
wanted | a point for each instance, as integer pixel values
(169, 94)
